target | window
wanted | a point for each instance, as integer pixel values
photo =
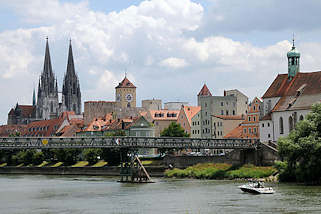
(254, 118)
(206, 113)
(222, 104)
(233, 112)
(222, 112)
(254, 107)
(301, 117)
(268, 124)
(250, 130)
(290, 123)
(244, 130)
(262, 125)
(269, 135)
(249, 118)
(281, 125)
(205, 104)
(226, 112)
(254, 130)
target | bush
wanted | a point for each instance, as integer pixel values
(38, 158)
(91, 155)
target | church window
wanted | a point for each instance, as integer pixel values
(301, 117)
(128, 105)
(290, 123)
(281, 125)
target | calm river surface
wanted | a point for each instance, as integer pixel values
(77, 194)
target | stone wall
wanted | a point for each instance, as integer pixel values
(95, 109)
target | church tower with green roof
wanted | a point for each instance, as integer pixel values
(293, 62)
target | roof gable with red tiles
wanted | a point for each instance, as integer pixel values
(235, 133)
(44, 128)
(308, 83)
(204, 91)
(164, 114)
(7, 130)
(125, 84)
(190, 112)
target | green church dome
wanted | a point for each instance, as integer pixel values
(293, 52)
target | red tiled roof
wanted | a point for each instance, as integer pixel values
(235, 133)
(165, 114)
(281, 86)
(230, 117)
(267, 117)
(26, 110)
(6, 130)
(125, 84)
(204, 91)
(191, 111)
(11, 112)
(44, 128)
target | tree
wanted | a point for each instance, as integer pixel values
(174, 130)
(91, 155)
(115, 155)
(301, 150)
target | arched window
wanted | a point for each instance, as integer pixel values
(281, 125)
(290, 123)
(51, 107)
(301, 117)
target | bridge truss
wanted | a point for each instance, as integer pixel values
(125, 142)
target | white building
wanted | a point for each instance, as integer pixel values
(288, 99)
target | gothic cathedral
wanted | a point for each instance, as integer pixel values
(48, 105)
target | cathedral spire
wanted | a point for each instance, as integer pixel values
(70, 64)
(71, 96)
(34, 98)
(47, 69)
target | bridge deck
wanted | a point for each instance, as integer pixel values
(124, 142)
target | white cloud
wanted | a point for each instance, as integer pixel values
(148, 41)
(173, 62)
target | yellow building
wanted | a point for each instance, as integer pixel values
(126, 94)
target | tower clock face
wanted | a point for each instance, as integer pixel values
(129, 97)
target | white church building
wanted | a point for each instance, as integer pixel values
(289, 99)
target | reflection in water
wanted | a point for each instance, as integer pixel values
(71, 194)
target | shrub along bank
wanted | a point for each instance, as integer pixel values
(221, 171)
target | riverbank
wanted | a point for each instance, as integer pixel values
(154, 171)
(222, 171)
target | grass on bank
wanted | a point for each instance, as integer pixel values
(3, 164)
(57, 164)
(80, 164)
(100, 164)
(220, 171)
(44, 163)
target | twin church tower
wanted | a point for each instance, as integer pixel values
(47, 105)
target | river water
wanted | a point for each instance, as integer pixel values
(80, 194)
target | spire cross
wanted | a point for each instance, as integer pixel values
(293, 39)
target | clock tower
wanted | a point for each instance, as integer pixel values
(126, 94)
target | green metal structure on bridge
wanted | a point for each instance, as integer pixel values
(125, 142)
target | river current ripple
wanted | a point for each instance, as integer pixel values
(84, 194)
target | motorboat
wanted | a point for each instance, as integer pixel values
(256, 188)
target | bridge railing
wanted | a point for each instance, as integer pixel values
(125, 142)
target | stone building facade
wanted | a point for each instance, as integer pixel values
(232, 103)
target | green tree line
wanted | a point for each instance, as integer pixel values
(301, 150)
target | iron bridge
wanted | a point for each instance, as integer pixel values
(125, 142)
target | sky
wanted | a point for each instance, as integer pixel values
(168, 49)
